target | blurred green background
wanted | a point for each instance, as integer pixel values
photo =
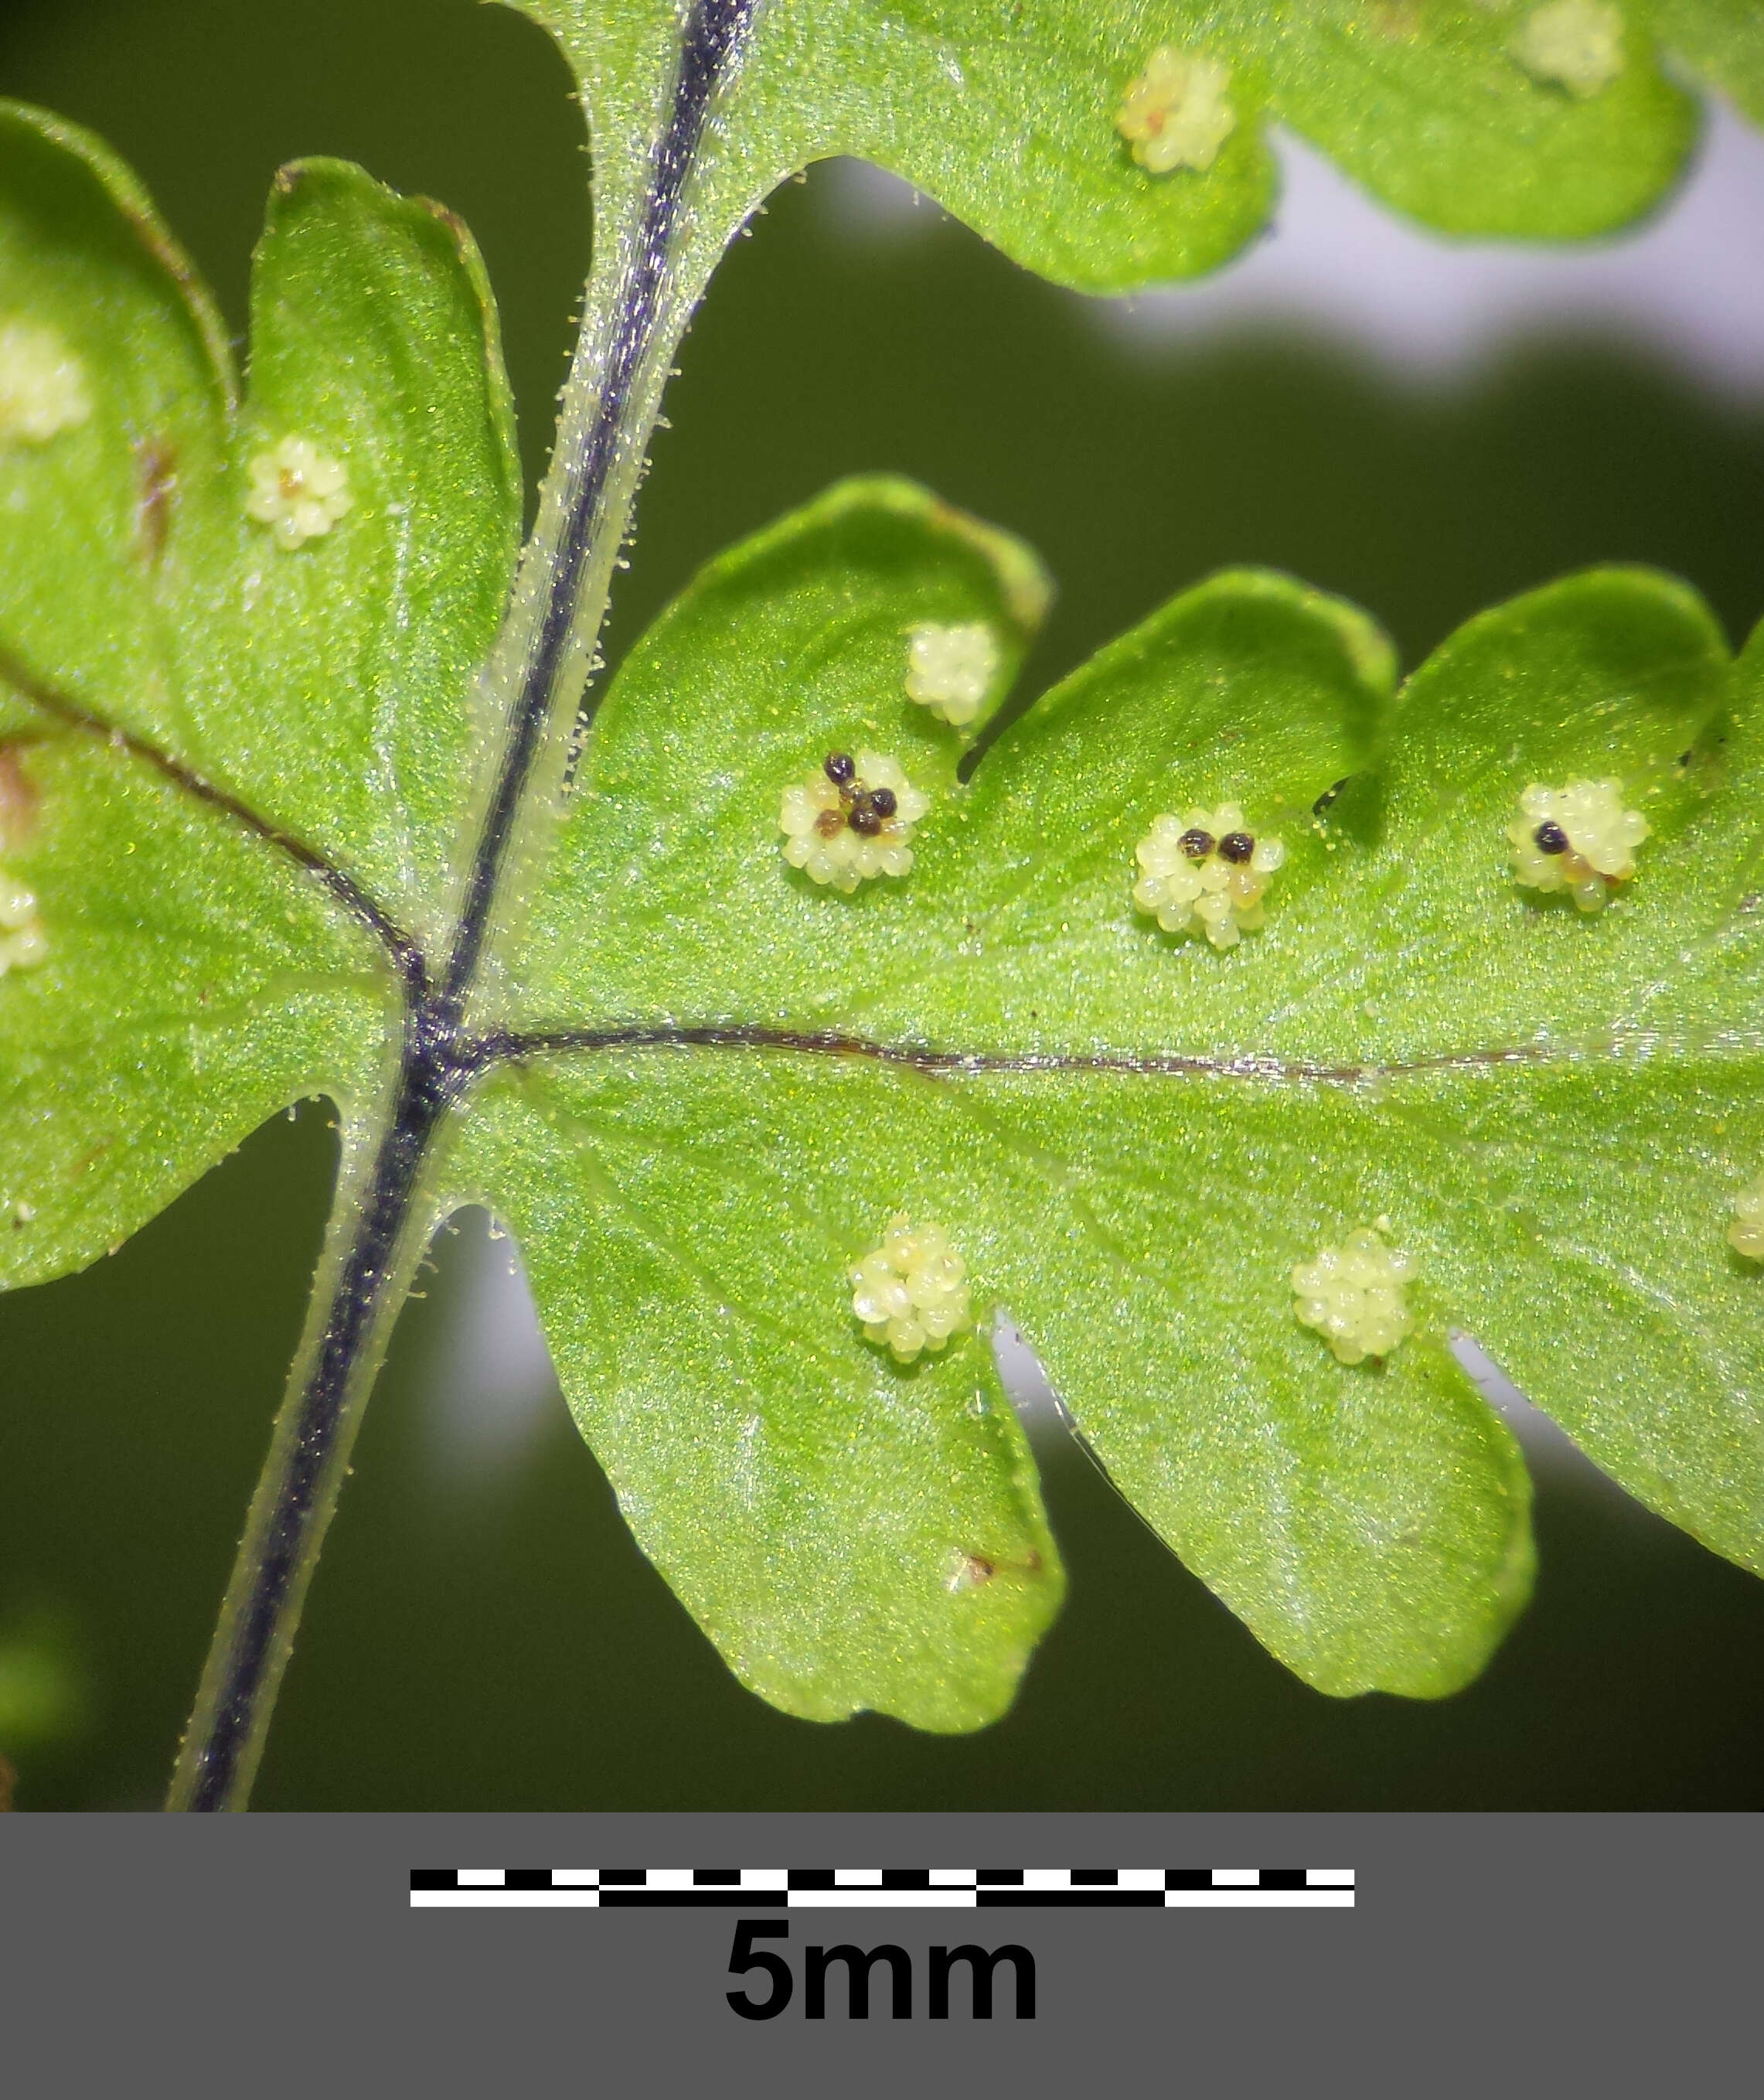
(485, 1636)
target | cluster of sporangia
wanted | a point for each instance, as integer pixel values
(851, 820)
(1204, 870)
(1579, 838)
(1353, 1295)
(23, 943)
(911, 1292)
(1176, 113)
(299, 491)
(1747, 1230)
(43, 394)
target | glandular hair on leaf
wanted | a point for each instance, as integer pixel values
(1575, 44)
(1747, 1231)
(1175, 114)
(949, 669)
(1353, 1295)
(851, 820)
(911, 1292)
(1580, 839)
(42, 384)
(299, 491)
(1206, 870)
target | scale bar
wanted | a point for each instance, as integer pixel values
(882, 1888)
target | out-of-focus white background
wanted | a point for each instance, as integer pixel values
(1689, 283)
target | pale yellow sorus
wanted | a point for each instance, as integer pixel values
(22, 941)
(950, 670)
(1185, 886)
(1602, 838)
(299, 491)
(1175, 115)
(43, 385)
(1353, 1295)
(1747, 1230)
(912, 1292)
(818, 834)
(1577, 45)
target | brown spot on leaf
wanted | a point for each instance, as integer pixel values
(451, 220)
(18, 800)
(1398, 21)
(155, 465)
(974, 1571)
(9, 1779)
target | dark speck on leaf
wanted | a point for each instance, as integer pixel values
(1550, 839)
(1236, 847)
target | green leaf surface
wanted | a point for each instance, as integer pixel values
(193, 716)
(194, 982)
(1133, 1138)
(237, 764)
(1721, 42)
(1005, 112)
(851, 1534)
(328, 685)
